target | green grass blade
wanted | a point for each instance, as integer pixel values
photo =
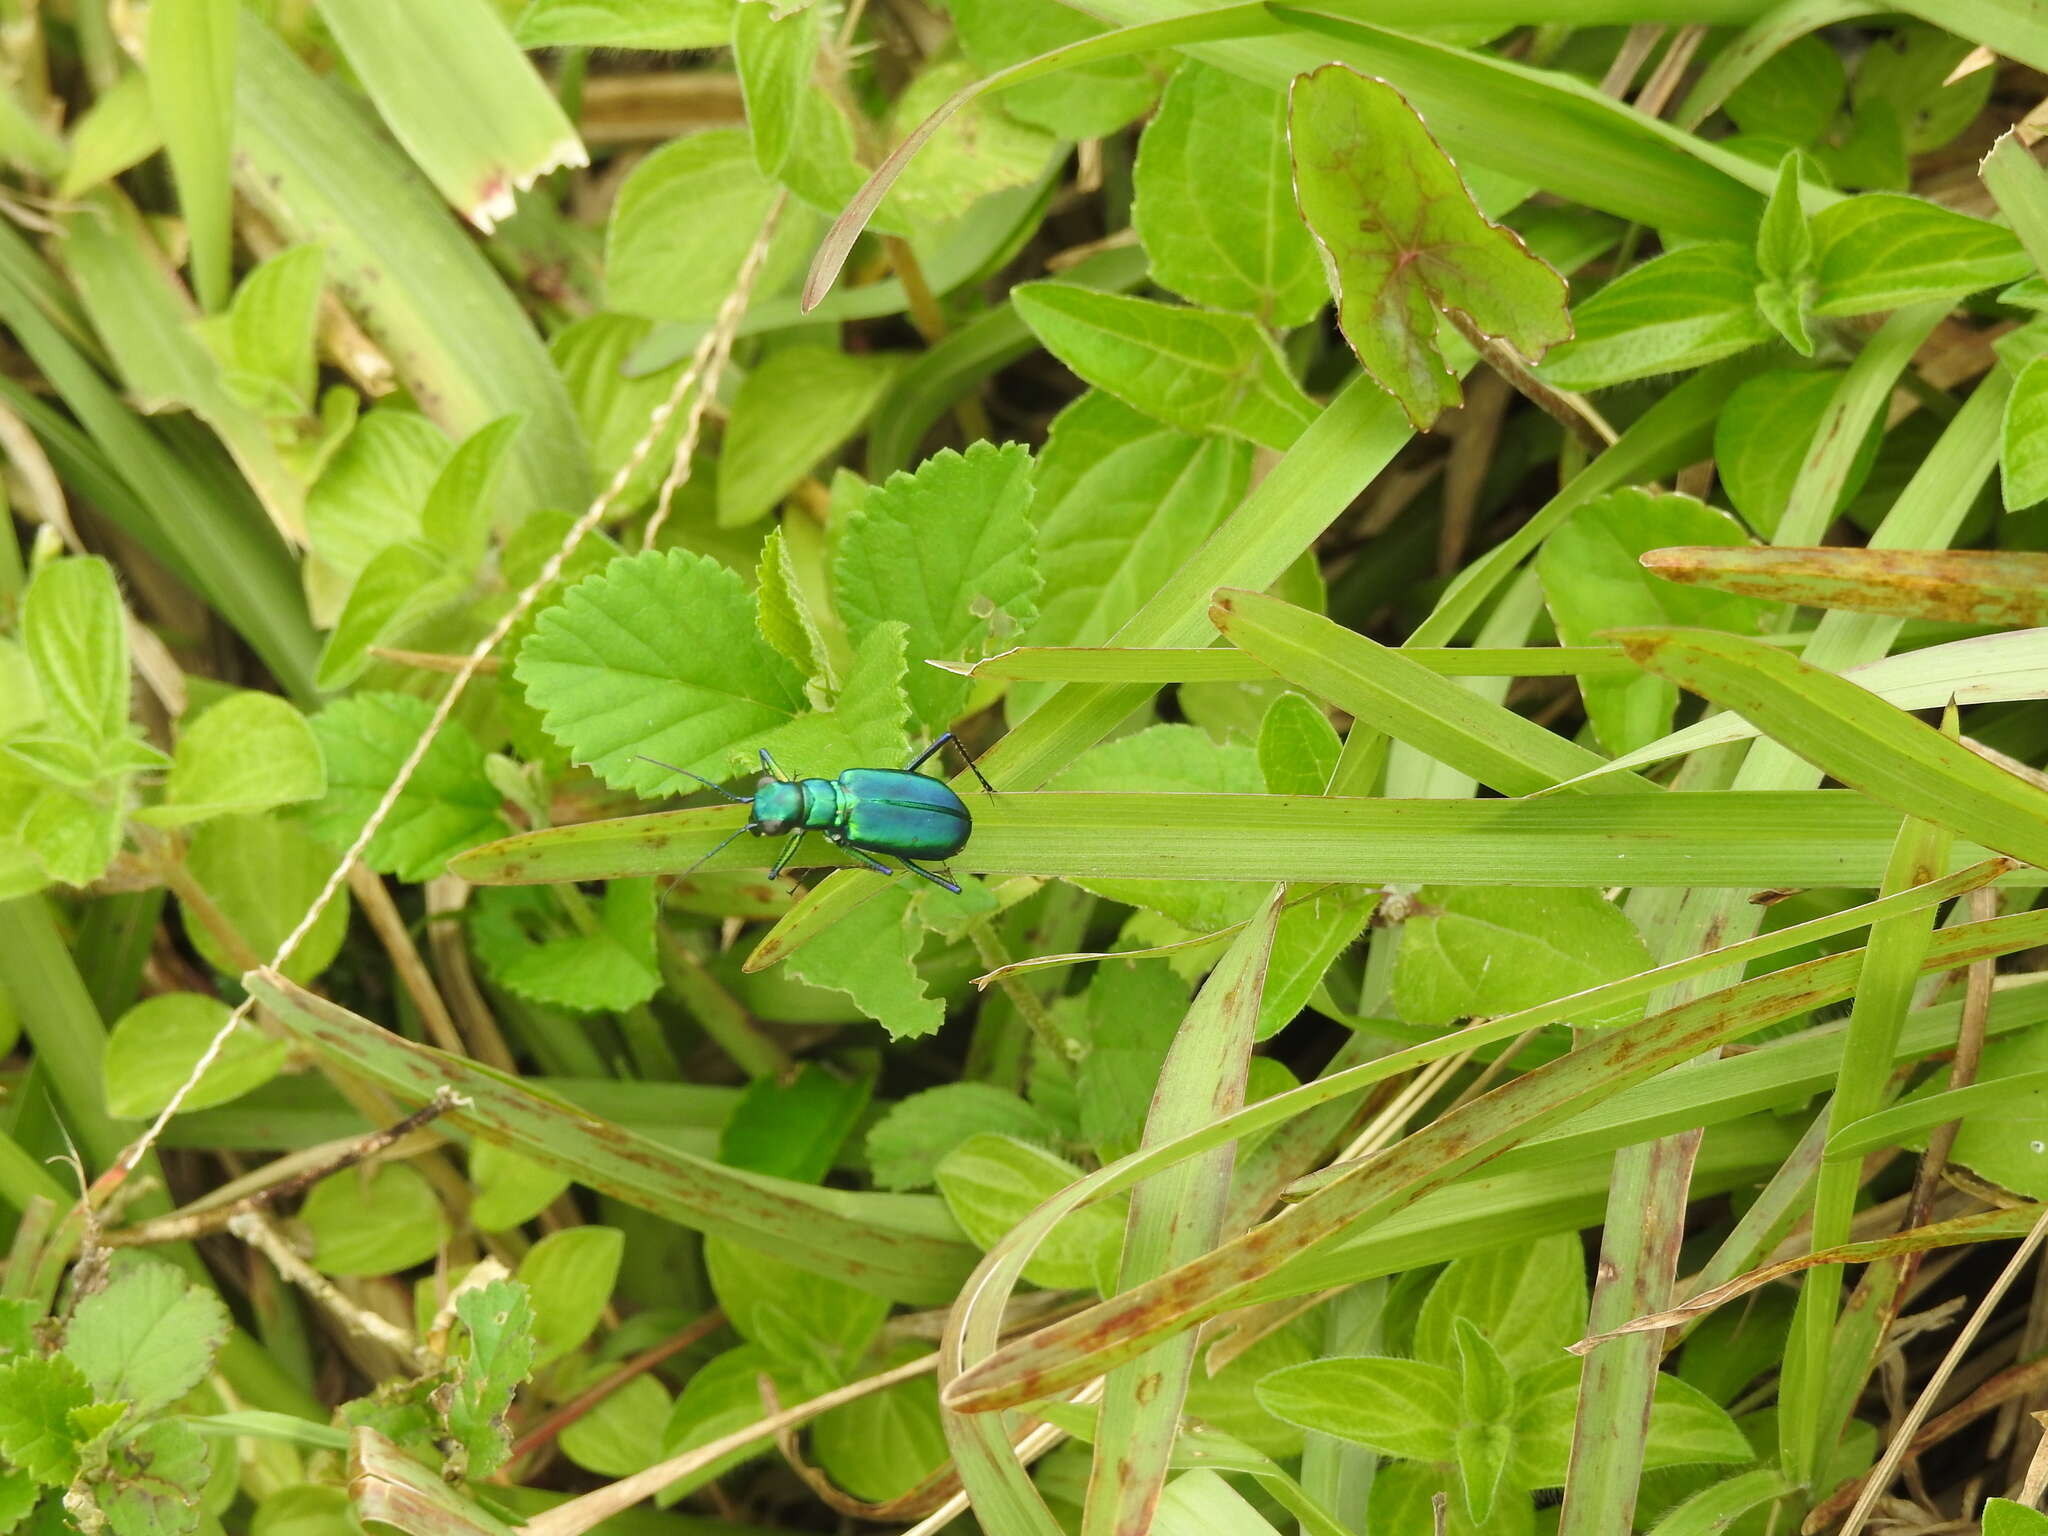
(1385, 690)
(424, 293)
(192, 53)
(1061, 1356)
(460, 95)
(1222, 664)
(1176, 1216)
(1740, 840)
(902, 1247)
(1854, 736)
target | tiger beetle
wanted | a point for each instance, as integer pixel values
(898, 811)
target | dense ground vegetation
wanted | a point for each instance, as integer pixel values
(1491, 557)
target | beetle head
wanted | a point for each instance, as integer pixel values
(778, 807)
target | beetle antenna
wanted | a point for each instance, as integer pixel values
(714, 788)
(714, 853)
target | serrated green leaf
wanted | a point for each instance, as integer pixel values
(154, 1481)
(1213, 199)
(1402, 240)
(1529, 1299)
(1484, 1439)
(36, 1399)
(154, 1046)
(148, 1338)
(871, 956)
(993, 1182)
(1298, 747)
(261, 874)
(1684, 309)
(683, 223)
(907, 1144)
(497, 1355)
(781, 611)
(657, 656)
(1882, 251)
(657, 24)
(448, 805)
(948, 551)
(373, 1221)
(1119, 500)
(1487, 950)
(569, 1277)
(866, 727)
(250, 752)
(801, 404)
(1593, 580)
(1198, 369)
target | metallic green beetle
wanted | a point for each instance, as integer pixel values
(898, 811)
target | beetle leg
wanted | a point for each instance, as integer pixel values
(768, 763)
(788, 852)
(923, 756)
(938, 880)
(838, 840)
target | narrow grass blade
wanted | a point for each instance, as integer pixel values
(1388, 691)
(460, 95)
(902, 1247)
(1061, 1356)
(426, 295)
(1744, 841)
(1175, 1217)
(192, 51)
(1986, 669)
(1853, 736)
(1219, 664)
(1999, 587)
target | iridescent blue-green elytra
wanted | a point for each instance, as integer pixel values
(897, 811)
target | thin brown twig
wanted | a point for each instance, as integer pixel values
(565, 1414)
(373, 898)
(187, 1225)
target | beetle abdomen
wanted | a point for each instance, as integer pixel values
(907, 814)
